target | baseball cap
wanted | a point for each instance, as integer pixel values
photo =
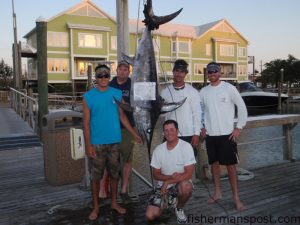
(180, 64)
(213, 66)
(102, 69)
(123, 63)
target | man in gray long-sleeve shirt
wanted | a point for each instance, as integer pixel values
(218, 101)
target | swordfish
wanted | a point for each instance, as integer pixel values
(145, 101)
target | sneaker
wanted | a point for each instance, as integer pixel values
(181, 217)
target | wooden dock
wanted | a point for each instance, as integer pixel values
(26, 197)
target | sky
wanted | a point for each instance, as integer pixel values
(270, 26)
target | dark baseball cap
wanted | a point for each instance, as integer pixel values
(180, 64)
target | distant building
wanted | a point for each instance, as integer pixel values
(86, 34)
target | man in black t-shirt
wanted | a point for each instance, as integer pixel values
(123, 83)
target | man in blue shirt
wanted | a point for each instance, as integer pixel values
(102, 132)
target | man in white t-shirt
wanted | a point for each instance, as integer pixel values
(172, 165)
(218, 102)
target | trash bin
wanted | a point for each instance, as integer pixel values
(59, 166)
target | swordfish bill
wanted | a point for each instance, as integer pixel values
(145, 101)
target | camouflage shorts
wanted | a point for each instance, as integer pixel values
(107, 156)
(168, 200)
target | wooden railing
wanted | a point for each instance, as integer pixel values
(25, 106)
(288, 122)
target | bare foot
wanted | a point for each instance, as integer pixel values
(94, 214)
(213, 199)
(239, 206)
(118, 208)
(104, 195)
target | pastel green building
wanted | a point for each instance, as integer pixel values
(85, 34)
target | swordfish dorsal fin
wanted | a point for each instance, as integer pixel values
(152, 21)
(127, 58)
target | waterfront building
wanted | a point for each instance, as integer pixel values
(86, 34)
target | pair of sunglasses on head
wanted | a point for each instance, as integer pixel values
(100, 76)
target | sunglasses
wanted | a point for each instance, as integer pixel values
(100, 76)
(212, 71)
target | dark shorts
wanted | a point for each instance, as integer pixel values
(221, 149)
(126, 146)
(107, 156)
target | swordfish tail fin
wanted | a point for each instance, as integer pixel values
(152, 21)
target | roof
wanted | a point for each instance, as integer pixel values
(183, 30)
(27, 50)
(168, 29)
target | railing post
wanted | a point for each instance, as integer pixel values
(288, 143)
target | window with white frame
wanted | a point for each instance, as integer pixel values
(183, 47)
(86, 40)
(156, 44)
(208, 49)
(242, 70)
(113, 43)
(242, 52)
(199, 68)
(58, 65)
(57, 39)
(226, 50)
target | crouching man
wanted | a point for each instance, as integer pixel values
(172, 165)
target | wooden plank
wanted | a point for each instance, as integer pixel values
(273, 120)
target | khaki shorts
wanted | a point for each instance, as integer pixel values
(107, 156)
(126, 146)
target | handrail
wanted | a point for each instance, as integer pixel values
(25, 106)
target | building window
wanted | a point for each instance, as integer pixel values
(208, 49)
(89, 40)
(58, 65)
(32, 69)
(82, 68)
(113, 43)
(226, 50)
(183, 47)
(57, 39)
(242, 70)
(242, 52)
(198, 69)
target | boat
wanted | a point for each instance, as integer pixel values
(255, 98)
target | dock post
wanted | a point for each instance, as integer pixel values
(280, 90)
(41, 34)
(288, 144)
